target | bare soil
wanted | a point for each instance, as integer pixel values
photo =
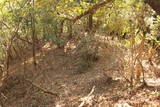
(56, 83)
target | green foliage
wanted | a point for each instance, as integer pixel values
(117, 18)
(88, 50)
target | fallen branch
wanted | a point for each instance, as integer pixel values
(4, 96)
(88, 98)
(44, 90)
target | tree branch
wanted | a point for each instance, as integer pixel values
(155, 5)
(90, 11)
(5, 24)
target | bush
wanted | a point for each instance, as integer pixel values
(88, 52)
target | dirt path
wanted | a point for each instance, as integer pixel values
(56, 73)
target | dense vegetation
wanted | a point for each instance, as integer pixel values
(85, 29)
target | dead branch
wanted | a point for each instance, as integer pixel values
(42, 89)
(24, 40)
(8, 50)
(7, 26)
(88, 98)
(4, 96)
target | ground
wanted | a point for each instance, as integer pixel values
(55, 82)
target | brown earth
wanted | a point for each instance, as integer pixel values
(56, 82)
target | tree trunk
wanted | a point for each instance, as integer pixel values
(155, 4)
(90, 21)
(33, 37)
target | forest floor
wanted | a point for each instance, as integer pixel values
(56, 83)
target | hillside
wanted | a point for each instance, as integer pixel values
(79, 53)
(56, 82)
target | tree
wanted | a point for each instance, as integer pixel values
(155, 4)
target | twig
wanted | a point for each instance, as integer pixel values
(88, 98)
(4, 96)
(91, 91)
(7, 26)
